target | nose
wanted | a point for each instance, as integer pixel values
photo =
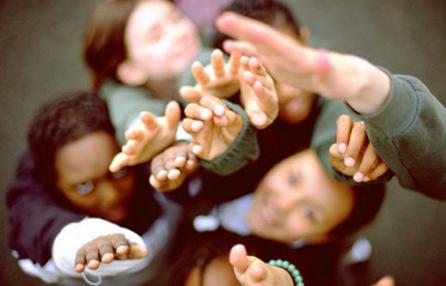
(282, 198)
(109, 194)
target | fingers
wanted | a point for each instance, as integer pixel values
(137, 251)
(218, 63)
(106, 252)
(234, 64)
(173, 115)
(198, 112)
(385, 281)
(368, 162)
(119, 161)
(190, 94)
(169, 169)
(80, 260)
(120, 244)
(239, 47)
(355, 144)
(200, 74)
(238, 257)
(343, 127)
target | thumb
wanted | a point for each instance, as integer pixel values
(172, 114)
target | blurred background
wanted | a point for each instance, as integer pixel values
(40, 58)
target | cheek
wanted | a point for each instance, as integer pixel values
(126, 185)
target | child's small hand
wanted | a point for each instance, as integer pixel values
(171, 167)
(148, 137)
(353, 154)
(258, 93)
(251, 271)
(212, 125)
(218, 79)
(105, 249)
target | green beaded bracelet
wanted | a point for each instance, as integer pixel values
(291, 268)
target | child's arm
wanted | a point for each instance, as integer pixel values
(148, 137)
(171, 167)
(353, 154)
(251, 271)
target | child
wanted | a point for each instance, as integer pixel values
(139, 53)
(297, 212)
(396, 108)
(71, 217)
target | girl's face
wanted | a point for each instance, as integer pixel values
(297, 199)
(84, 179)
(161, 42)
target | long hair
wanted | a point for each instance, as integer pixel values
(104, 42)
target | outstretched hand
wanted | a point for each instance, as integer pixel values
(333, 75)
(218, 79)
(105, 249)
(171, 167)
(258, 93)
(353, 154)
(148, 137)
(212, 125)
(251, 271)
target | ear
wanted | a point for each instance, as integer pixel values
(304, 37)
(130, 74)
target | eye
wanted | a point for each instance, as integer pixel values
(84, 188)
(120, 174)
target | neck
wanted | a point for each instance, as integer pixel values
(166, 88)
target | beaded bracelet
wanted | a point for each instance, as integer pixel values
(291, 268)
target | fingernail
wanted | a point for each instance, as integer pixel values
(196, 125)
(219, 110)
(205, 114)
(173, 174)
(342, 147)
(196, 149)
(358, 177)
(260, 119)
(349, 162)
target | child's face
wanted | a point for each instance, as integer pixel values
(297, 199)
(294, 103)
(161, 42)
(84, 179)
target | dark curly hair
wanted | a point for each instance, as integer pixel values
(271, 12)
(60, 122)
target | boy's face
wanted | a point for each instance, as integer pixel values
(297, 199)
(84, 179)
(161, 42)
(294, 103)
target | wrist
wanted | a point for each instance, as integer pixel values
(374, 90)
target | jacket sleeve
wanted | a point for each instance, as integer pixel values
(409, 133)
(35, 217)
